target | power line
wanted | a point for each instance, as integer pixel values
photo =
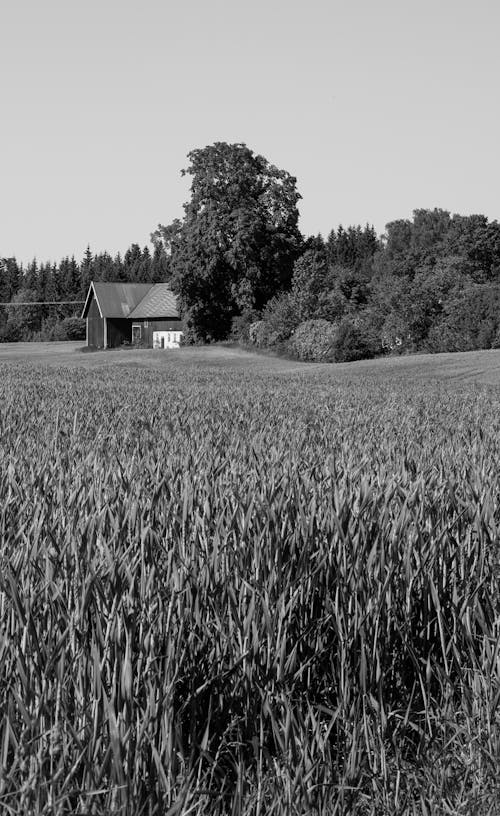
(43, 303)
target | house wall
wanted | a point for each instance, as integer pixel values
(119, 330)
(167, 339)
(162, 324)
(95, 326)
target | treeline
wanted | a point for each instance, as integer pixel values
(430, 284)
(66, 281)
(242, 269)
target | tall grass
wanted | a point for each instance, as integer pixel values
(225, 594)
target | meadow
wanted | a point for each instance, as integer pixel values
(233, 584)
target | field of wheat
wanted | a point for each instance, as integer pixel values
(225, 592)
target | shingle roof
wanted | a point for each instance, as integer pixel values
(133, 300)
(118, 299)
(160, 301)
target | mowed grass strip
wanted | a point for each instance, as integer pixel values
(223, 593)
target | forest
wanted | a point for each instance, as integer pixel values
(243, 271)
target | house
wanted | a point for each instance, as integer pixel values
(119, 313)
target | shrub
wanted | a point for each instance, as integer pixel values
(257, 333)
(74, 328)
(355, 340)
(315, 340)
(241, 326)
(281, 317)
(70, 328)
(11, 333)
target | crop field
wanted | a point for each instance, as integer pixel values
(242, 586)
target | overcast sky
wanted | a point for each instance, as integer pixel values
(378, 108)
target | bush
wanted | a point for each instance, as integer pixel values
(281, 317)
(315, 340)
(71, 328)
(257, 333)
(242, 324)
(396, 335)
(355, 341)
(11, 333)
(74, 328)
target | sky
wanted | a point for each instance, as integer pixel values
(378, 108)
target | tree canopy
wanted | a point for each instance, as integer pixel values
(239, 238)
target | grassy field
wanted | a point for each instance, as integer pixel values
(236, 584)
(472, 366)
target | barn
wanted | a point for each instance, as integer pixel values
(145, 313)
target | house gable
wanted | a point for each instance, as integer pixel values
(89, 300)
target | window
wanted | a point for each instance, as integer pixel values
(136, 332)
(146, 324)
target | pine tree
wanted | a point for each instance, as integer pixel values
(103, 268)
(145, 266)
(160, 268)
(132, 263)
(118, 269)
(86, 274)
(30, 278)
(10, 278)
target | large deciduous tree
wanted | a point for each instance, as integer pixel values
(237, 243)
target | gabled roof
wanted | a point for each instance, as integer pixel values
(160, 301)
(132, 300)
